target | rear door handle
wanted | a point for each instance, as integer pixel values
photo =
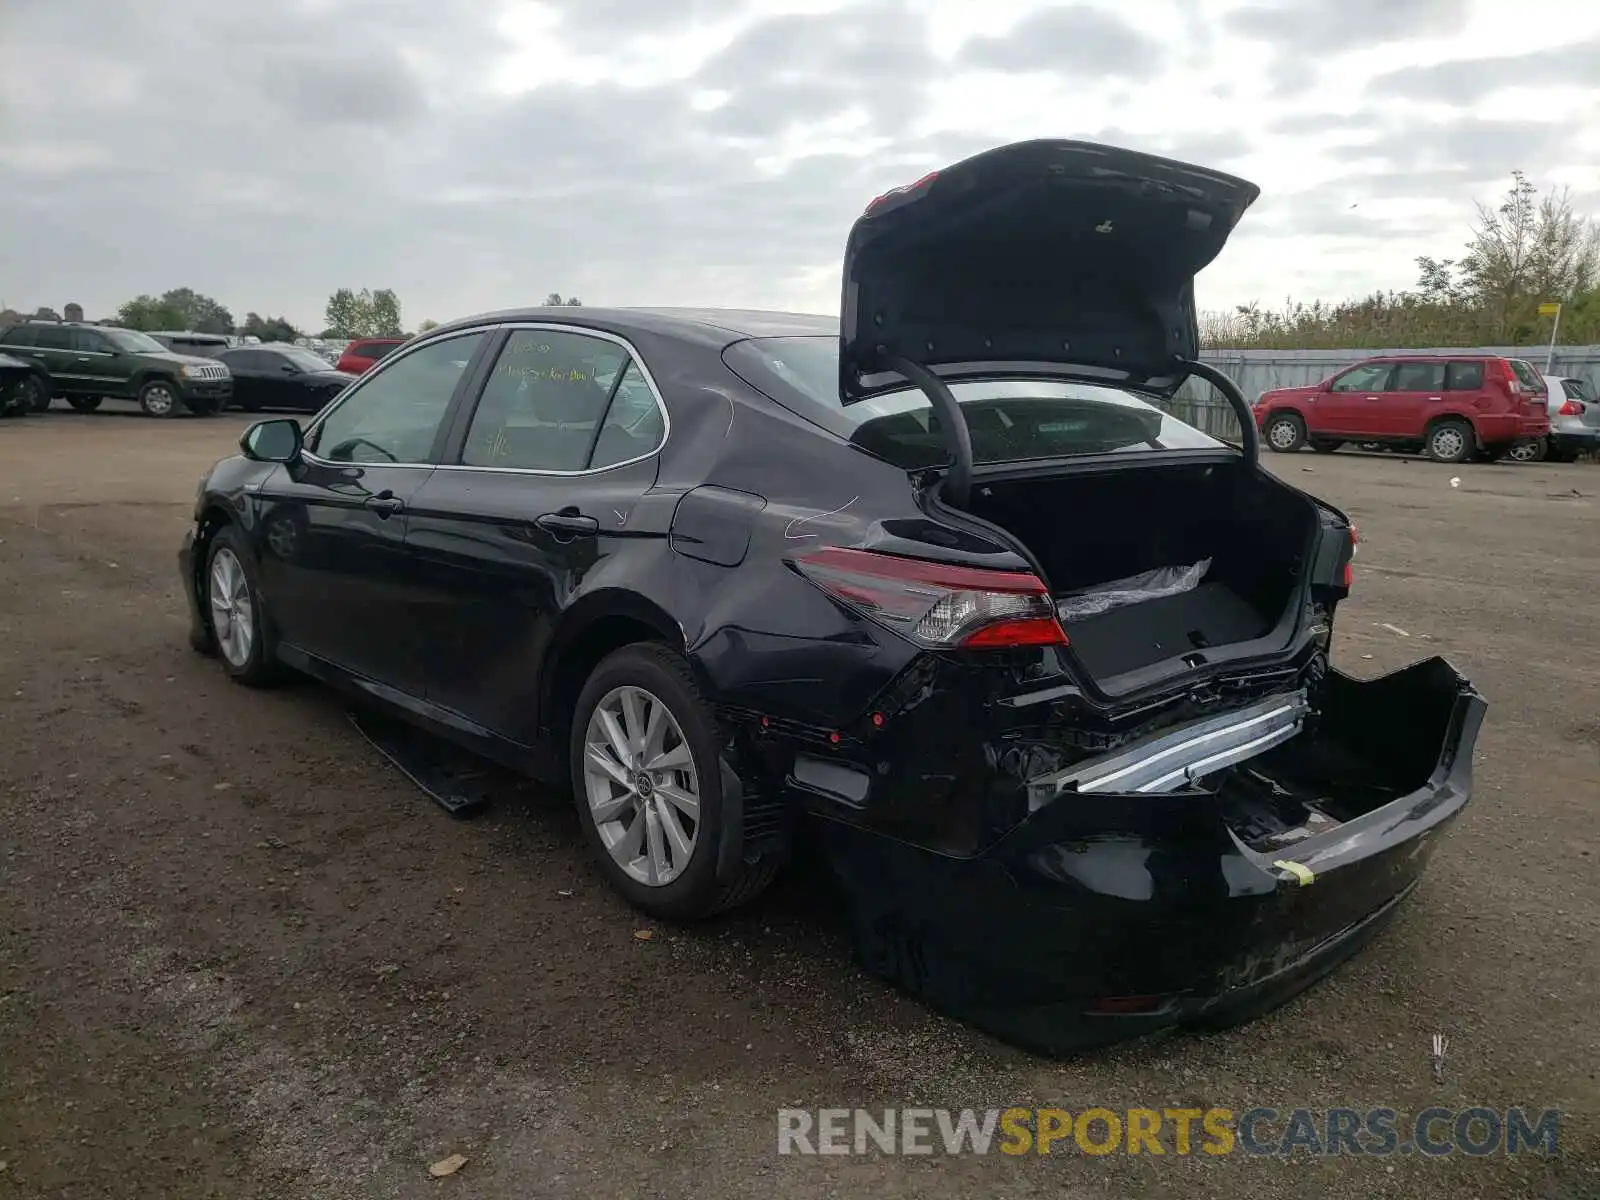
(385, 504)
(569, 522)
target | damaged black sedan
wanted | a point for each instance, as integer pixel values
(1044, 667)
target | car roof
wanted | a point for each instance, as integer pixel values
(718, 326)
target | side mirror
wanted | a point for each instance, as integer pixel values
(275, 441)
(289, 369)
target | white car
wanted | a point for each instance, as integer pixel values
(1574, 418)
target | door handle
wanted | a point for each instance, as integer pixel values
(569, 522)
(385, 504)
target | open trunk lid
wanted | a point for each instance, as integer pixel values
(1052, 257)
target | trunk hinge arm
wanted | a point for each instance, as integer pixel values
(958, 483)
(1241, 406)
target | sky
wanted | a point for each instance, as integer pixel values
(479, 154)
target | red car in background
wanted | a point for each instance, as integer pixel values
(1452, 407)
(360, 354)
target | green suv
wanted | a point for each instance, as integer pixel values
(85, 363)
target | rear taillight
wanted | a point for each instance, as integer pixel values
(1502, 373)
(1350, 566)
(1572, 408)
(936, 605)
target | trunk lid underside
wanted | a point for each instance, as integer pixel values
(1050, 256)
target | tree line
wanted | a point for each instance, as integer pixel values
(348, 314)
(1526, 253)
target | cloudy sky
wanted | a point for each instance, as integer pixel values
(477, 154)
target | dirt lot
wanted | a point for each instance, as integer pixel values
(241, 957)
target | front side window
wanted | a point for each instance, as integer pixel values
(395, 415)
(1369, 377)
(89, 342)
(1418, 377)
(544, 402)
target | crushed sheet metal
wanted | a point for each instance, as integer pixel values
(1167, 762)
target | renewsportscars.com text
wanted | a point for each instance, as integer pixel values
(1432, 1132)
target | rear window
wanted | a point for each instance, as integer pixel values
(374, 350)
(1463, 377)
(1527, 376)
(1011, 420)
(1578, 390)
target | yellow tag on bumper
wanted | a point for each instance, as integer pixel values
(1300, 871)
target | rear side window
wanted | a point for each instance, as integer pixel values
(1526, 375)
(1463, 377)
(633, 427)
(543, 404)
(53, 337)
(18, 335)
(1418, 377)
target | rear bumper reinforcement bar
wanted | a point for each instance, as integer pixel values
(1170, 760)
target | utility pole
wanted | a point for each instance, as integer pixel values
(1551, 310)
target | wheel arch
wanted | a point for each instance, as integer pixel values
(597, 625)
(1453, 415)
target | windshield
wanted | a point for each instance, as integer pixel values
(302, 358)
(1010, 420)
(134, 342)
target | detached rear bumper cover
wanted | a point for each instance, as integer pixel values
(1107, 915)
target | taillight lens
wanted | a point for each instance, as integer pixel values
(1350, 566)
(937, 605)
(1572, 408)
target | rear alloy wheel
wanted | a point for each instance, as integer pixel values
(158, 398)
(647, 774)
(84, 403)
(1450, 442)
(1527, 452)
(1286, 433)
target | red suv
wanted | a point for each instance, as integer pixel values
(1452, 407)
(360, 354)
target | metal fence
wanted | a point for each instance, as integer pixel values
(1257, 371)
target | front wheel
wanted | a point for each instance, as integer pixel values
(33, 395)
(1286, 432)
(159, 398)
(84, 404)
(1450, 442)
(232, 604)
(647, 775)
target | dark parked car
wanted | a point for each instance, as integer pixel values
(86, 363)
(1044, 669)
(17, 396)
(279, 375)
(359, 356)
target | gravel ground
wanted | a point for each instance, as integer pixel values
(241, 957)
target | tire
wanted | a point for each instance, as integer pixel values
(1561, 456)
(1285, 432)
(256, 664)
(1528, 452)
(33, 395)
(629, 680)
(159, 398)
(1324, 446)
(84, 404)
(1451, 441)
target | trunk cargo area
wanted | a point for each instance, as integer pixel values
(1234, 541)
